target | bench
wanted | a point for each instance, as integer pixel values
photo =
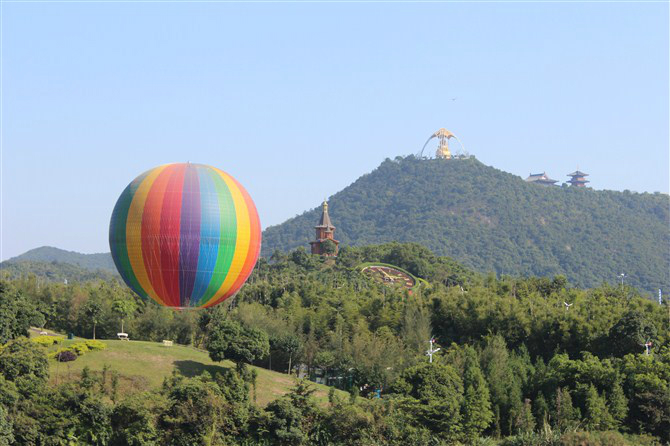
(123, 336)
(167, 343)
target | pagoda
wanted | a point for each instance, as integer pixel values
(324, 232)
(578, 179)
(541, 178)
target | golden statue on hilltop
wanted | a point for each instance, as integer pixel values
(443, 149)
(443, 135)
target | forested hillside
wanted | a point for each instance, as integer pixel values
(49, 254)
(517, 366)
(54, 271)
(491, 220)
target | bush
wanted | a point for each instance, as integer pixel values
(54, 355)
(47, 341)
(95, 345)
(79, 348)
(65, 356)
(606, 438)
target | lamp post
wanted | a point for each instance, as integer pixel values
(431, 350)
(622, 275)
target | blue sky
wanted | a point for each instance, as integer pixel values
(297, 100)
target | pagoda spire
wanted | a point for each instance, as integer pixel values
(324, 221)
(324, 234)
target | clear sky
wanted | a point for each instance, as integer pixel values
(297, 100)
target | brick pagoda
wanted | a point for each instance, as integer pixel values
(324, 231)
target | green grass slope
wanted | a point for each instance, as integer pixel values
(490, 220)
(143, 365)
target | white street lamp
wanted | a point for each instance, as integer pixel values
(432, 350)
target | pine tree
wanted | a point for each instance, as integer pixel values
(617, 403)
(524, 420)
(541, 410)
(477, 414)
(565, 413)
(596, 416)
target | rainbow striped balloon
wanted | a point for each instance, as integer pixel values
(186, 235)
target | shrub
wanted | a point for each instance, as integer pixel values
(65, 356)
(605, 438)
(95, 345)
(79, 348)
(54, 355)
(47, 341)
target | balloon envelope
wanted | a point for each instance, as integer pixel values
(185, 235)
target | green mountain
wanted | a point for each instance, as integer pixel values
(53, 271)
(491, 220)
(57, 265)
(50, 254)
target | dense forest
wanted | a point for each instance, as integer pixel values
(494, 221)
(523, 361)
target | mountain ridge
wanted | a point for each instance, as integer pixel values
(48, 254)
(494, 221)
(484, 218)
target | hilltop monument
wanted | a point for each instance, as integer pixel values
(323, 245)
(541, 178)
(443, 151)
(577, 178)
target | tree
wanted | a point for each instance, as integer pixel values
(416, 326)
(476, 409)
(93, 309)
(435, 394)
(504, 383)
(22, 358)
(630, 333)
(290, 344)
(17, 314)
(524, 420)
(228, 339)
(195, 414)
(291, 418)
(596, 416)
(124, 308)
(328, 247)
(6, 431)
(134, 420)
(617, 402)
(565, 414)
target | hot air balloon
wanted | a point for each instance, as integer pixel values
(185, 235)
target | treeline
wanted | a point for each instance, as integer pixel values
(491, 220)
(430, 404)
(53, 271)
(522, 361)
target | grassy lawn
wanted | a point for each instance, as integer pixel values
(143, 365)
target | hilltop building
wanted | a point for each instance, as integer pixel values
(578, 179)
(541, 178)
(324, 231)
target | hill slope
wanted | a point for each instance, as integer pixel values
(53, 271)
(143, 365)
(49, 254)
(494, 221)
